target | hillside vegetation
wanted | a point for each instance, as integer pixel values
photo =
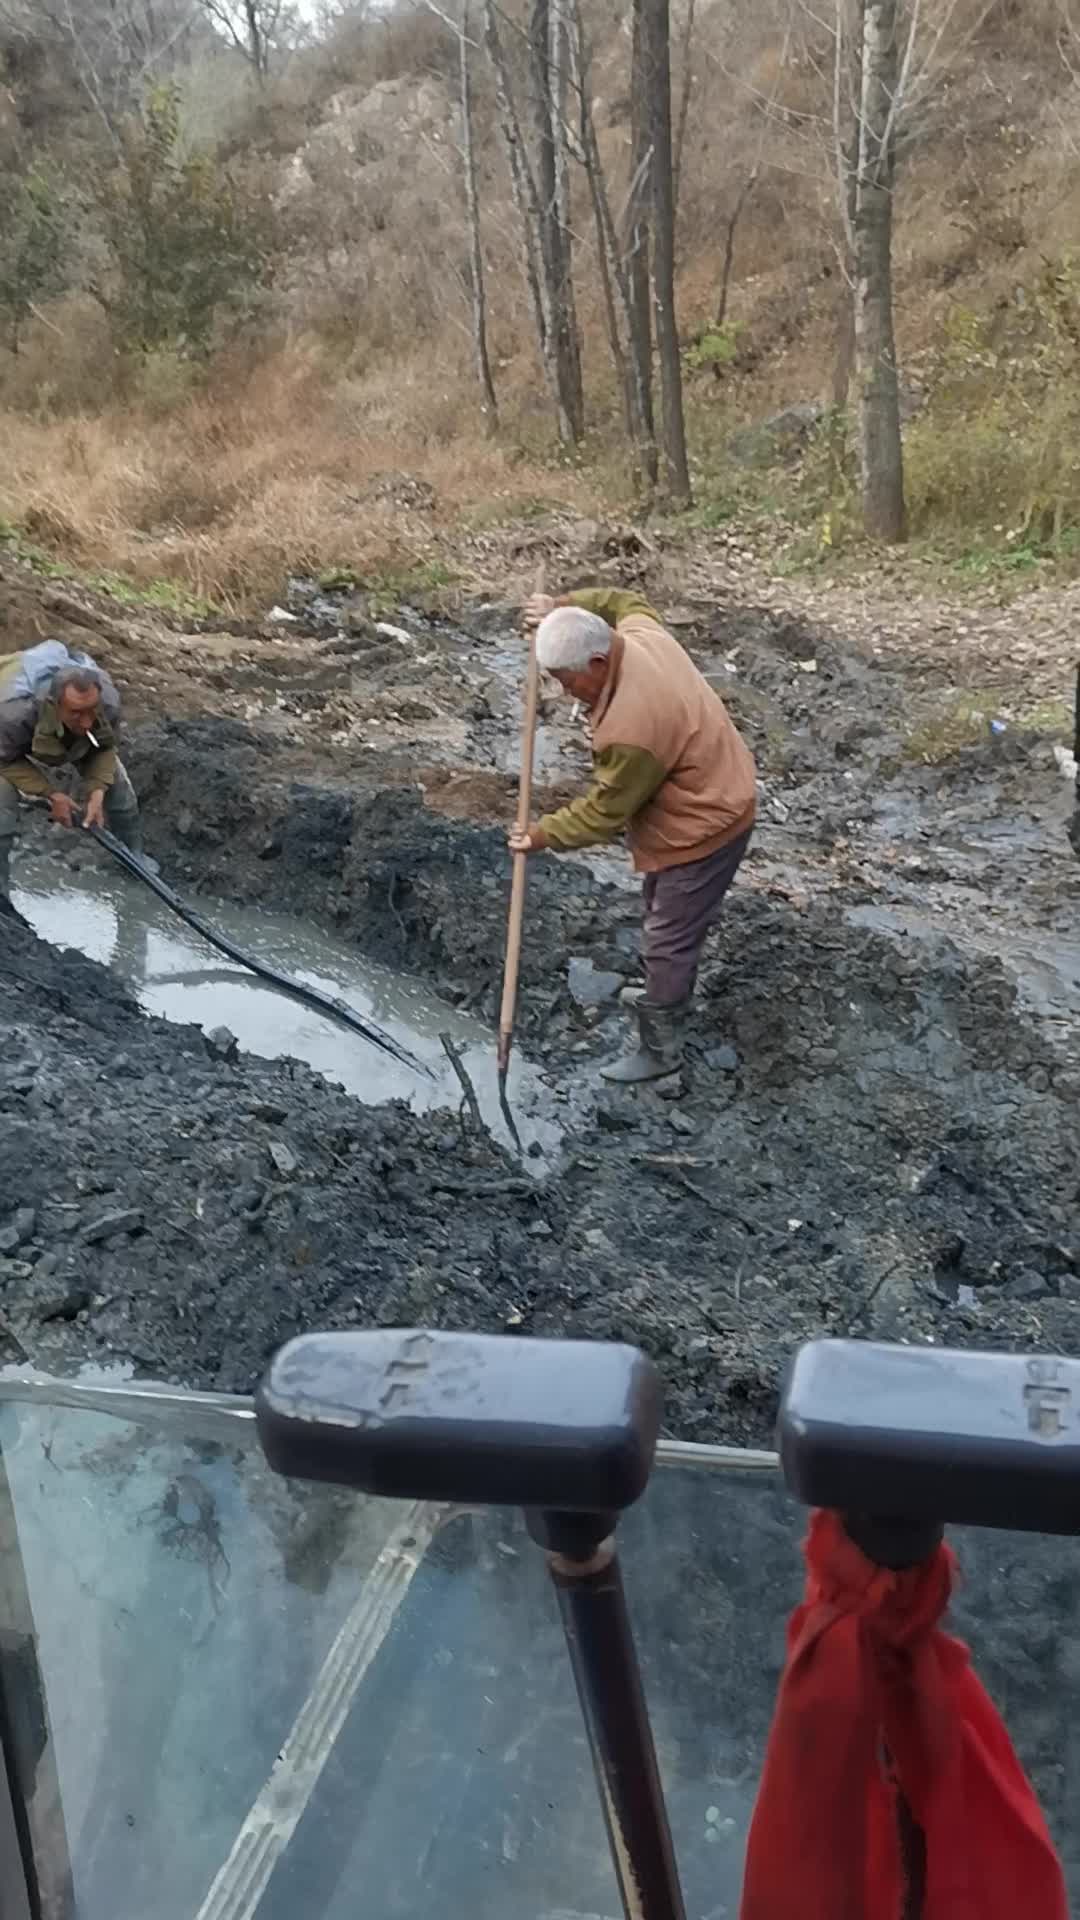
(235, 298)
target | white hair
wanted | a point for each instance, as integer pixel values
(83, 679)
(569, 638)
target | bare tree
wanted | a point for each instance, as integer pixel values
(254, 28)
(548, 53)
(846, 122)
(536, 194)
(614, 263)
(636, 231)
(682, 118)
(560, 48)
(881, 465)
(114, 49)
(883, 78)
(477, 286)
(658, 64)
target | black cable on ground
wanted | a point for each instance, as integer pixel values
(310, 996)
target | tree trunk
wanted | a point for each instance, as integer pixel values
(880, 453)
(565, 304)
(258, 50)
(845, 346)
(846, 124)
(523, 191)
(546, 81)
(636, 248)
(684, 105)
(658, 44)
(476, 253)
(614, 274)
(734, 217)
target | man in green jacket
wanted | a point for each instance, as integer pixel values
(670, 771)
(60, 710)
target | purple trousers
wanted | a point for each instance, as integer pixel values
(681, 904)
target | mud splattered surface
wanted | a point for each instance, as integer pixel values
(874, 1133)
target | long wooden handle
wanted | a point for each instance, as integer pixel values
(517, 890)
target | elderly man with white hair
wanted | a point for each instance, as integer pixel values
(670, 770)
(57, 710)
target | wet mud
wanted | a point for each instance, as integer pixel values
(874, 1132)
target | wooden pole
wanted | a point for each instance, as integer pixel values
(517, 890)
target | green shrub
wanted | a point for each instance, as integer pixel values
(35, 237)
(1000, 446)
(186, 249)
(713, 349)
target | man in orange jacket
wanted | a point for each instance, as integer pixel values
(670, 770)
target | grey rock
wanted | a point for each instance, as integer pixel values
(781, 437)
(283, 1157)
(1026, 1285)
(681, 1122)
(588, 986)
(616, 1115)
(50, 1297)
(93, 1183)
(597, 1240)
(126, 1220)
(10, 1241)
(823, 1057)
(723, 1059)
(24, 1223)
(672, 1088)
(222, 1044)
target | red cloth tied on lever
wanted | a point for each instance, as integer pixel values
(876, 1702)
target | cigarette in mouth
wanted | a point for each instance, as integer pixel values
(93, 741)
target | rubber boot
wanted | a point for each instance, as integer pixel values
(659, 1048)
(127, 826)
(8, 909)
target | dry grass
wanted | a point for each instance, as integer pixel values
(224, 487)
(263, 474)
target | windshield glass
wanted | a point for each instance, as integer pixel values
(233, 1695)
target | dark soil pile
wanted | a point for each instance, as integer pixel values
(867, 1138)
(164, 1205)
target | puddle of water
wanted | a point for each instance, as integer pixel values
(1046, 968)
(113, 920)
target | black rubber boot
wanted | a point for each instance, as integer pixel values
(128, 828)
(8, 909)
(659, 1048)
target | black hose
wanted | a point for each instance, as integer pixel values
(311, 996)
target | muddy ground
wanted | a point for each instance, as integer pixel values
(875, 1131)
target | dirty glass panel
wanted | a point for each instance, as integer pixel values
(181, 1601)
(266, 1701)
(461, 1782)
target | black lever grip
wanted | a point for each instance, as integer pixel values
(982, 1439)
(566, 1425)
